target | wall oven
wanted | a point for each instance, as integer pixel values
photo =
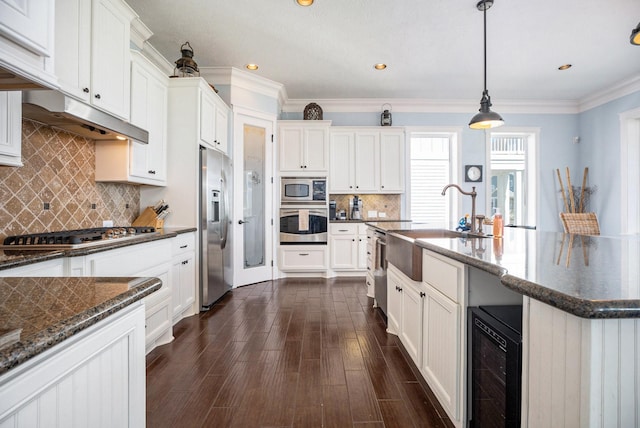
(303, 225)
(305, 190)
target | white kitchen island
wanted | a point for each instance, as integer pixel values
(78, 358)
(581, 305)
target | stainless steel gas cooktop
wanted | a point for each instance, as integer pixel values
(71, 239)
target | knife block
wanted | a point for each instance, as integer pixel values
(148, 218)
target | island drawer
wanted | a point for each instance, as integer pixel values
(443, 274)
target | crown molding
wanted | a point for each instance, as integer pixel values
(140, 33)
(366, 105)
(243, 79)
(619, 90)
(157, 58)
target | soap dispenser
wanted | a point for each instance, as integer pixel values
(498, 224)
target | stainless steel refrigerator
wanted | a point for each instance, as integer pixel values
(215, 216)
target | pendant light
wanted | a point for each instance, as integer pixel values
(486, 118)
(635, 36)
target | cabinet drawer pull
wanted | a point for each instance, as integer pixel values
(152, 172)
(97, 96)
(85, 90)
(184, 246)
(303, 254)
(343, 230)
(422, 294)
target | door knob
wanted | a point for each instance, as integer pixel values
(242, 222)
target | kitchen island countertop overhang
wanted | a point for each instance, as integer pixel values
(587, 276)
(48, 311)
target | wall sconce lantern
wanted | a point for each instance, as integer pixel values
(186, 66)
(385, 117)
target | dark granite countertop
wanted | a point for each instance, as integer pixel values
(14, 258)
(50, 310)
(587, 276)
(369, 221)
(398, 225)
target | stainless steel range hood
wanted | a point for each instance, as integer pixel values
(56, 109)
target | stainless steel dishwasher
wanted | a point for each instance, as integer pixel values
(380, 271)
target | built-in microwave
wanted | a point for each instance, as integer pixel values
(303, 190)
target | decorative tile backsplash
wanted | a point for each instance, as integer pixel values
(389, 204)
(59, 170)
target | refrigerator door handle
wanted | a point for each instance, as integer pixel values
(224, 220)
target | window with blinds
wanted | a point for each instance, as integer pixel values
(430, 163)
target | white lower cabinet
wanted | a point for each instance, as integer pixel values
(411, 332)
(348, 243)
(441, 349)
(151, 259)
(369, 249)
(53, 267)
(302, 258)
(429, 318)
(395, 286)
(94, 379)
(183, 273)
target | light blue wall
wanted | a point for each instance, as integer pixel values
(556, 149)
(599, 130)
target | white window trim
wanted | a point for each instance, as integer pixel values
(629, 157)
(456, 133)
(533, 176)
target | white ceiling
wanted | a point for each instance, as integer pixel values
(433, 48)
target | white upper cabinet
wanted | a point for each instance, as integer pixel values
(303, 146)
(10, 128)
(366, 160)
(367, 163)
(131, 161)
(93, 65)
(26, 40)
(392, 162)
(149, 95)
(214, 120)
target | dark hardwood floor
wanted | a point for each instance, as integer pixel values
(288, 353)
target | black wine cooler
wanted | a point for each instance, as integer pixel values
(495, 392)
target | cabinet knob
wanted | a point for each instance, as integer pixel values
(85, 90)
(422, 294)
(350, 187)
(357, 187)
(97, 96)
(382, 187)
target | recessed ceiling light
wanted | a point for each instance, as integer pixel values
(304, 2)
(252, 66)
(564, 67)
(380, 66)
